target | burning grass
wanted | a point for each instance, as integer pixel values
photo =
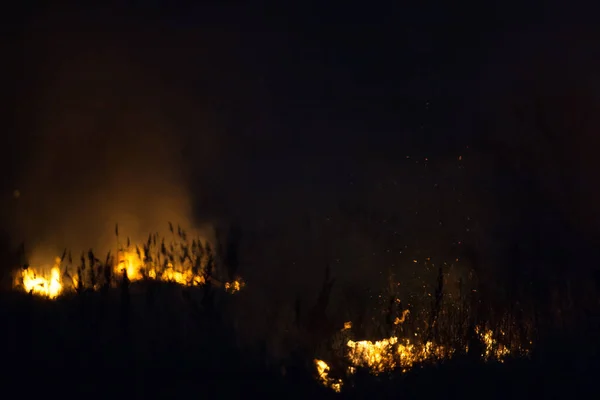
(394, 353)
(185, 261)
(443, 326)
(48, 285)
(323, 376)
(431, 331)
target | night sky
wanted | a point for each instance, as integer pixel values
(356, 135)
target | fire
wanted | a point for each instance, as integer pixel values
(182, 263)
(48, 285)
(387, 354)
(400, 320)
(132, 265)
(403, 353)
(410, 353)
(492, 349)
(377, 356)
(136, 269)
(323, 374)
(235, 286)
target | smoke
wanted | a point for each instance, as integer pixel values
(103, 146)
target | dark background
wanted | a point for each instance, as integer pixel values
(357, 135)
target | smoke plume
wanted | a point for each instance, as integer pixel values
(103, 146)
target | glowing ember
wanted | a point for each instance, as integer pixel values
(410, 354)
(492, 349)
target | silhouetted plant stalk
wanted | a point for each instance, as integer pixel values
(435, 312)
(125, 301)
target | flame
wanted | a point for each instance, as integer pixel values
(403, 353)
(377, 356)
(47, 285)
(387, 354)
(134, 264)
(323, 376)
(135, 269)
(234, 286)
(400, 320)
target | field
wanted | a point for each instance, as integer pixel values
(167, 318)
